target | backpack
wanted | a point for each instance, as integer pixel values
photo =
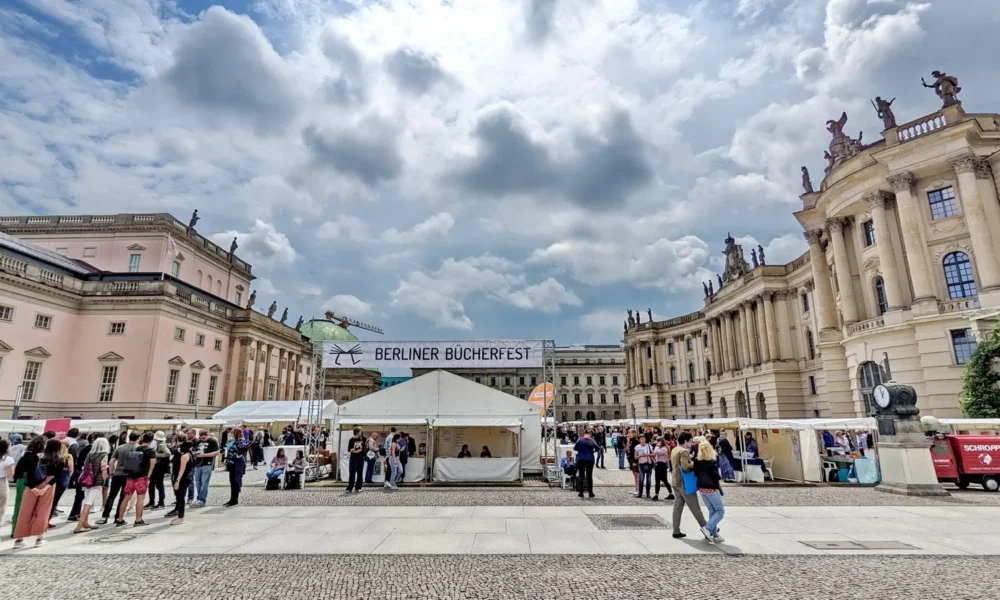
(86, 478)
(133, 462)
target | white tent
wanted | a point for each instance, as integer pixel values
(453, 409)
(8, 426)
(270, 411)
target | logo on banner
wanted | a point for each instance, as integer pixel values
(353, 352)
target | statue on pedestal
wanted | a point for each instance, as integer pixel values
(252, 300)
(631, 319)
(649, 312)
(194, 220)
(753, 258)
(842, 146)
(638, 318)
(807, 184)
(232, 249)
(711, 292)
(760, 254)
(704, 287)
(884, 111)
(719, 277)
(284, 316)
(946, 87)
(298, 325)
(272, 309)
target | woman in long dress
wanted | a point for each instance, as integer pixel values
(28, 462)
(40, 493)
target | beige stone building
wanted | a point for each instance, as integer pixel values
(903, 264)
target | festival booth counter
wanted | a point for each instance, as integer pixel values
(442, 412)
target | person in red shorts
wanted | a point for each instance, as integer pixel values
(139, 465)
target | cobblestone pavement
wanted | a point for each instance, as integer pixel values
(512, 496)
(454, 577)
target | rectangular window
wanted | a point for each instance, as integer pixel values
(704, 340)
(600, 361)
(506, 380)
(493, 381)
(172, 378)
(109, 376)
(576, 398)
(604, 398)
(562, 380)
(521, 396)
(576, 380)
(239, 298)
(270, 390)
(649, 402)
(869, 230)
(213, 382)
(116, 328)
(179, 334)
(133, 262)
(175, 269)
(62, 251)
(691, 399)
(534, 380)
(565, 399)
(218, 345)
(590, 380)
(520, 380)
(805, 302)
(89, 252)
(6, 313)
(614, 398)
(964, 344)
(199, 339)
(32, 375)
(673, 399)
(649, 351)
(614, 380)
(943, 203)
(689, 345)
(812, 385)
(43, 321)
(670, 349)
(600, 380)
(590, 398)
(708, 398)
(479, 379)
(193, 388)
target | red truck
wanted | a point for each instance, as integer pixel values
(965, 459)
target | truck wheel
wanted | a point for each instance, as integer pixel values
(991, 483)
(962, 483)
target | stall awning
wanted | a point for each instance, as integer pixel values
(478, 422)
(22, 426)
(380, 421)
(978, 424)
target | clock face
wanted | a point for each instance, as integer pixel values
(881, 396)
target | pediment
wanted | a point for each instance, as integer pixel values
(38, 352)
(177, 361)
(197, 365)
(871, 264)
(110, 356)
(215, 368)
(179, 257)
(136, 247)
(4, 347)
(240, 287)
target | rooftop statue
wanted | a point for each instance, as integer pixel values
(946, 87)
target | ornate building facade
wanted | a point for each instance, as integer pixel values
(134, 315)
(901, 278)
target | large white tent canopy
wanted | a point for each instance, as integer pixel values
(272, 411)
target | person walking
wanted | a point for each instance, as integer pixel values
(371, 454)
(393, 461)
(680, 462)
(661, 466)
(92, 477)
(706, 470)
(79, 460)
(355, 461)
(36, 506)
(621, 447)
(586, 449)
(118, 478)
(182, 466)
(236, 464)
(631, 442)
(644, 458)
(139, 464)
(160, 469)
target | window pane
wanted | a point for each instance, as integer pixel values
(172, 385)
(29, 385)
(964, 344)
(958, 275)
(943, 203)
(109, 376)
(212, 382)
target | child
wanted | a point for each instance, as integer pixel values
(568, 465)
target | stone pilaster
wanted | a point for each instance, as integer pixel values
(824, 304)
(913, 236)
(878, 201)
(987, 262)
(845, 281)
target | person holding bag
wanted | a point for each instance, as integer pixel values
(706, 470)
(685, 483)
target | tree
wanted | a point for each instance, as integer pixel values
(981, 382)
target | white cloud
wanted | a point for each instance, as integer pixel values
(344, 227)
(262, 245)
(346, 305)
(433, 228)
(547, 296)
(263, 285)
(309, 289)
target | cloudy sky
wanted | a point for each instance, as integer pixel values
(466, 168)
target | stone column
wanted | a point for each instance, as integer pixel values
(782, 325)
(745, 334)
(824, 304)
(878, 201)
(713, 339)
(987, 262)
(279, 392)
(762, 330)
(770, 326)
(256, 369)
(734, 344)
(267, 371)
(748, 314)
(848, 305)
(293, 379)
(913, 235)
(243, 357)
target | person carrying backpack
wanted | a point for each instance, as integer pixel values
(118, 478)
(138, 468)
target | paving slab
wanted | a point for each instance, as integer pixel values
(409, 525)
(440, 543)
(493, 543)
(570, 543)
(477, 525)
(619, 542)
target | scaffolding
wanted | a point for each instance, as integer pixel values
(551, 469)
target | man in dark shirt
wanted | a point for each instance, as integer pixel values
(404, 452)
(118, 479)
(355, 461)
(601, 442)
(585, 448)
(205, 451)
(137, 481)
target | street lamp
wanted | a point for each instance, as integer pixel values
(17, 402)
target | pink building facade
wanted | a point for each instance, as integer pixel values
(134, 316)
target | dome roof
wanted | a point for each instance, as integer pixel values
(321, 330)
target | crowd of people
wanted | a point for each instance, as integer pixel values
(391, 453)
(119, 475)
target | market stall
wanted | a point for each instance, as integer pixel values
(9, 426)
(274, 413)
(416, 466)
(823, 464)
(453, 409)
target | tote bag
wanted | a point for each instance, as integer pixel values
(690, 482)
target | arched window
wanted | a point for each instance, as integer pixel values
(869, 375)
(958, 275)
(576, 416)
(761, 406)
(618, 414)
(880, 301)
(591, 416)
(741, 405)
(722, 405)
(708, 368)
(690, 372)
(810, 345)
(673, 376)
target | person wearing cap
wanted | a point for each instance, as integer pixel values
(156, 489)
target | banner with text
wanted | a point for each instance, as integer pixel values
(478, 354)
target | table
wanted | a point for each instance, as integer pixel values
(836, 463)
(477, 469)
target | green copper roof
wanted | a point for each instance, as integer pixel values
(321, 330)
